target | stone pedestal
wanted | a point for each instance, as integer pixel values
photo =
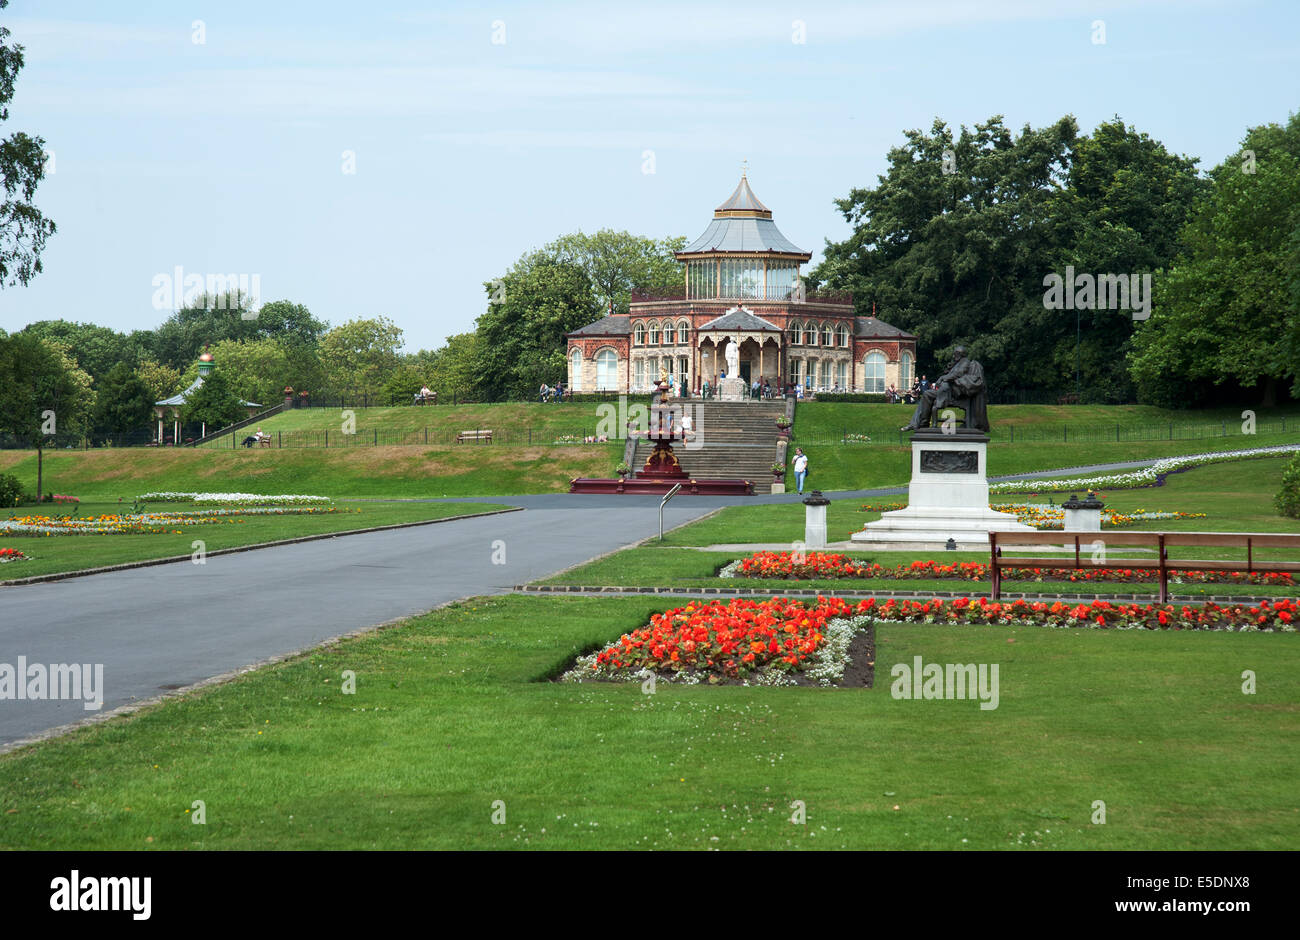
(814, 526)
(733, 389)
(948, 497)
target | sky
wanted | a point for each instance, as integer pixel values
(388, 158)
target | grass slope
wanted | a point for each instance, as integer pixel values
(468, 470)
(447, 719)
(511, 423)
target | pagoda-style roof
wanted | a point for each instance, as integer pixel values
(180, 399)
(740, 320)
(744, 200)
(743, 224)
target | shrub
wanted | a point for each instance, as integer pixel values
(11, 491)
(1288, 498)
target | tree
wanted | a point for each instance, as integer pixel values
(213, 403)
(123, 402)
(359, 355)
(453, 371)
(521, 338)
(257, 370)
(97, 348)
(1225, 314)
(40, 394)
(954, 240)
(23, 229)
(404, 382)
(617, 263)
(1126, 201)
(161, 381)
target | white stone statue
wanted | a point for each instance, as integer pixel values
(733, 359)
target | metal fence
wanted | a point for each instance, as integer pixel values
(423, 437)
(1075, 433)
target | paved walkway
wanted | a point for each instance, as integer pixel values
(175, 625)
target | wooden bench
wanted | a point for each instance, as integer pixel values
(1084, 543)
(265, 442)
(464, 436)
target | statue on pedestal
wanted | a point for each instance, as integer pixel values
(733, 358)
(962, 385)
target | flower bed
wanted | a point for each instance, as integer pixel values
(146, 523)
(781, 641)
(11, 554)
(244, 499)
(1153, 475)
(769, 642)
(825, 565)
(1279, 615)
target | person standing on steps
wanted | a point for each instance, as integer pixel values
(800, 469)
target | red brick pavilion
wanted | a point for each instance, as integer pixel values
(742, 285)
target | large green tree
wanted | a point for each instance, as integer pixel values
(41, 394)
(97, 348)
(618, 263)
(359, 355)
(1226, 314)
(123, 402)
(955, 237)
(521, 336)
(234, 316)
(1126, 201)
(23, 229)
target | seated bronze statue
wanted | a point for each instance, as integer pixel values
(961, 386)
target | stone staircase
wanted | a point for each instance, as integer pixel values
(738, 441)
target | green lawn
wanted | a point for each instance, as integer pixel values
(1237, 497)
(448, 718)
(61, 553)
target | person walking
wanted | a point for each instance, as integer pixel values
(800, 469)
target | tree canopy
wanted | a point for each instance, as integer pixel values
(23, 229)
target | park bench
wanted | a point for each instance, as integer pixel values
(265, 442)
(1085, 543)
(464, 436)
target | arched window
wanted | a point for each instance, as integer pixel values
(828, 335)
(810, 334)
(654, 333)
(842, 375)
(638, 373)
(842, 337)
(638, 334)
(606, 371)
(904, 371)
(796, 333)
(668, 333)
(683, 333)
(873, 372)
(575, 369)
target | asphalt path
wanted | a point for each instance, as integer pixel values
(170, 626)
(177, 624)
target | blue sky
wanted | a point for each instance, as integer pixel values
(227, 156)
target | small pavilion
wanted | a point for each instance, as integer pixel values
(172, 407)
